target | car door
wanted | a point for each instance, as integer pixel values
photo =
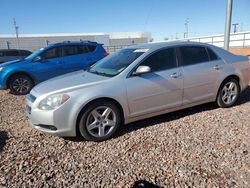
(50, 65)
(201, 69)
(76, 57)
(159, 89)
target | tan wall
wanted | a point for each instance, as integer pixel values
(240, 51)
(127, 41)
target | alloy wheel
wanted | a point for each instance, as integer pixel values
(21, 85)
(101, 121)
(229, 93)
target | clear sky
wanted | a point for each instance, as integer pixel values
(163, 18)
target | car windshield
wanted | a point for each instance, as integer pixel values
(115, 63)
(35, 54)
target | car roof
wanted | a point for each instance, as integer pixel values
(158, 45)
(74, 43)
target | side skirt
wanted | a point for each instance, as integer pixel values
(144, 116)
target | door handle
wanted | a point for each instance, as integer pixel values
(217, 67)
(60, 62)
(175, 75)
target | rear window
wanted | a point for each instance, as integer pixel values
(77, 49)
(193, 55)
(11, 53)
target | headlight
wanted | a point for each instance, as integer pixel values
(53, 102)
(1, 69)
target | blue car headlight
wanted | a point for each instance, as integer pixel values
(1, 69)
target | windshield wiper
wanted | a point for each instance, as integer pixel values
(100, 73)
(89, 67)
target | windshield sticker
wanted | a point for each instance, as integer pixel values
(141, 50)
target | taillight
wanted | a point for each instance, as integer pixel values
(105, 54)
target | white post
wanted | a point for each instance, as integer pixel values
(228, 24)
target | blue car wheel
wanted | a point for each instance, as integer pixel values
(20, 84)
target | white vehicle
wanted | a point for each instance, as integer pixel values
(136, 83)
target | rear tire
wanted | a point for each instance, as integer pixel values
(100, 121)
(20, 84)
(229, 93)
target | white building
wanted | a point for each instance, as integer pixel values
(35, 41)
(239, 39)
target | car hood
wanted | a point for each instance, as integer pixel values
(69, 82)
(12, 62)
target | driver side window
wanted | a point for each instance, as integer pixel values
(52, 53)
(161, 60)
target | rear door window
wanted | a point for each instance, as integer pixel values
(71, 50)
(193, 55)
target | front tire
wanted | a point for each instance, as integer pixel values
(20, 84)
(228, 93)
(100, 121)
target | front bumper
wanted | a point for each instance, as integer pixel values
(2, 85)
(2, 80)
(39, 125)
(60, 122)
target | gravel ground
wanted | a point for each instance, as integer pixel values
(202, 146)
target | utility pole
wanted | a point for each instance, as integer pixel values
(16, 30)
(235, 25)
(186, 25)
(228, 24)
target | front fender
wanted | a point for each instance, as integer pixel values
(85, 98)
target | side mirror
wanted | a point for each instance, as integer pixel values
(37, 59)
(142, 70)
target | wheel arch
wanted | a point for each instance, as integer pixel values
(233, 76)
(19, 73)
(78, 119)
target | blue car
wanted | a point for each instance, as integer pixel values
(57, 59)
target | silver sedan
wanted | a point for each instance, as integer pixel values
(136, 83)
